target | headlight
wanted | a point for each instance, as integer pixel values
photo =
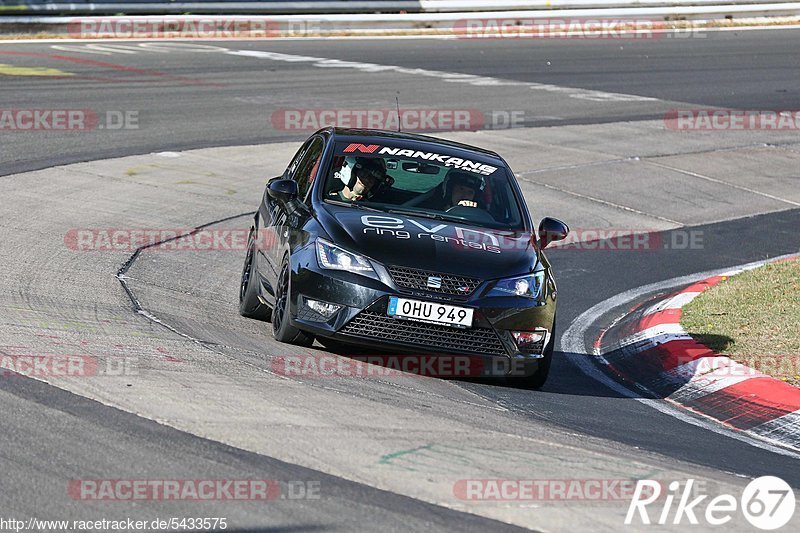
(334, 258)
(529, 286)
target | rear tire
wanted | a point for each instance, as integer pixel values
(282, 330)
(249, 304)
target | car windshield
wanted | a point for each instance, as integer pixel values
(425, 184)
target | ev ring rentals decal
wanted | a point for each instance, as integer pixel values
(390, 226)
(766, 502)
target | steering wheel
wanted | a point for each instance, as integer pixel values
(474, 214)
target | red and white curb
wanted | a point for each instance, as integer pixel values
(648, 349)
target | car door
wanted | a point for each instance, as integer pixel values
(280, 223)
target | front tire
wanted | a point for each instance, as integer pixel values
(249, 304)
(282, 330)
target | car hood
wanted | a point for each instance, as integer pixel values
(428, 244)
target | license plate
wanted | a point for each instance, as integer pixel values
(429, 312)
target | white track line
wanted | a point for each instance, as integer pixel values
(574, 347)
(451, 77)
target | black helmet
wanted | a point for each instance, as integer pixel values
(462, 177)
(375, 167)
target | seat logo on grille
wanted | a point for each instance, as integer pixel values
(434, 282)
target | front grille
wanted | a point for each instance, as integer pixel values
(537, 348)
(411, 278)
(369, 324)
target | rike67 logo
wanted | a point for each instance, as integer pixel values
(767, 503)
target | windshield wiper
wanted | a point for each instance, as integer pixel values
(424, 214)
(352, 205)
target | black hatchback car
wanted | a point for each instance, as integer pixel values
(407, 244)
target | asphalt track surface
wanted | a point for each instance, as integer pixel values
(192, 100)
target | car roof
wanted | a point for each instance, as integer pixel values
(382, 136)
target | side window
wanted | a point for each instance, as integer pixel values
(308, 166)
(292, 168)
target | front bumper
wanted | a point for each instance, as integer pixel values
(363, 320)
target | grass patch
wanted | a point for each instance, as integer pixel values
(753, 318)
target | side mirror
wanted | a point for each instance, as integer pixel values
(283, 190)
(551, 230)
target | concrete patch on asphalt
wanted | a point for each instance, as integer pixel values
(769, 171)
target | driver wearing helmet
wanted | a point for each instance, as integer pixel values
(362, 178)
(461, 188)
